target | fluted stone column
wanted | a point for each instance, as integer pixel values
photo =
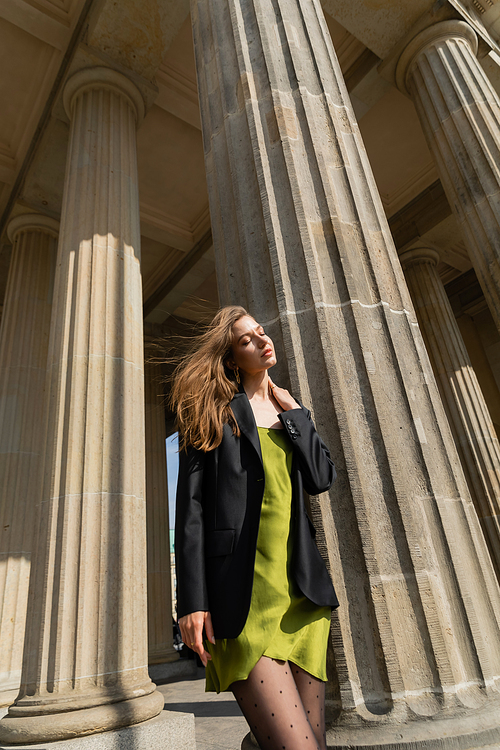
(160, 634)
(85, 655)
(24, 340)
(301, 239)
(460, 115)
(468, 415)
(481, 365)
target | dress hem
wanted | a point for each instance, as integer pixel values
(227, 689)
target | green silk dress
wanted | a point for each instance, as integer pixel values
(282, 623)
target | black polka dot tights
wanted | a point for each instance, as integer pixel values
(283, 705)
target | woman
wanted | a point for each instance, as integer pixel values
(249, 574)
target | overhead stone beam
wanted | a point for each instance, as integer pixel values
(419, 216)
(76, 36)
(36, 22)
(185, 265)
(360, 68)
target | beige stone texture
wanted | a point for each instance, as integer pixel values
(160, 634)
(24, 340)
(170, 730)
(302, 241)
(377, 23)
(491, 18)
(467, 412)
(85, 656)
(137, 33)
(460, 114)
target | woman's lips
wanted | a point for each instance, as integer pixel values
(267, 352)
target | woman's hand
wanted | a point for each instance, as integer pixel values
(191, 627)
(282, 396)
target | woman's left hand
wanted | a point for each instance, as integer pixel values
(282, 396)
(191, 627)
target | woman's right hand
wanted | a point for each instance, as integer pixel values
(283, 397)
(191, 627)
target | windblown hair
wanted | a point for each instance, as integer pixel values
(203, 385)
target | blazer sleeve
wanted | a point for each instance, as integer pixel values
(189, 534)
(315, 464)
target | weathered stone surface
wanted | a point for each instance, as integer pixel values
(170, 730)
(301, 239)
(160, 634)
(379, 24)
(137, 33)
(468, 415)
(460, 114)
(85, 655)
(24, 340)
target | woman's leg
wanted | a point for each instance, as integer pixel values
(272, 706)
(312, 694)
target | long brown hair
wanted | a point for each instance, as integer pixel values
(203, 385)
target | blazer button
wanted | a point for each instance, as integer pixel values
(288, 421)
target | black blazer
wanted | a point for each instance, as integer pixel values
(219, 497)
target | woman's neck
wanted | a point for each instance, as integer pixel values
(256, 386)
(265, 408)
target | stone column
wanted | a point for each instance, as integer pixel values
(460, 115)
(85, 654)
(481, 366)
(160, 634)
(23, 363)
(301, 239)
(468, 415)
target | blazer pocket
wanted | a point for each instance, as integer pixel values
(219, 542)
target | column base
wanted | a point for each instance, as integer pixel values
(168, 731)
(181, 668)
(7, 697)
(249, 742)
(471, 730)
(19, 730)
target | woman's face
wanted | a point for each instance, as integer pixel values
(252, 351)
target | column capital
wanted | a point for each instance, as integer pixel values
(422, 254)
(451, 29)
(103, 78)
(32, 222)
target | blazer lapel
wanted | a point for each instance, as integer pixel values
(246, 421)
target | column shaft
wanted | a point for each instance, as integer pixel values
(468, 415)
(85, 656)
(24, 340)
(160, 633)
(482, 367)
(302, 241)
(460, 115)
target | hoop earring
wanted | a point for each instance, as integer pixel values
(237, 375)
